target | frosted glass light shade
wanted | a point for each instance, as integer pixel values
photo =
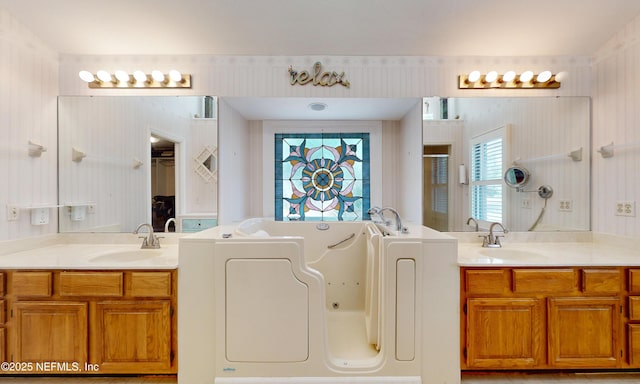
(87, 76)
(543, 76)
(526, 76)
(509, 76)
(491, 77)
(157, 76)
(104, 76)
(474, 76)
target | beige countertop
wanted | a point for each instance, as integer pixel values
(540, 250)
(89, 251)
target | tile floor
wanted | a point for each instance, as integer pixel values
(498, 378)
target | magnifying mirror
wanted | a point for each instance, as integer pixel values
(516, 177)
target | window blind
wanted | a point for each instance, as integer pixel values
(486, 179)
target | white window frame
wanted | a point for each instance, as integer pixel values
(502, 132)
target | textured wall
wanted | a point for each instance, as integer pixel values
(616, 118)
(27, 112)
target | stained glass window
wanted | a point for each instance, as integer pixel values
(321, 176)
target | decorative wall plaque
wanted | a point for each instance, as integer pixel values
(317, 77)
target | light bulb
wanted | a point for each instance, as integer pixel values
(140, 76)
(509, 76)
(87, 76)
(526, 76)
(157, 76)
(491, 77)
(104, 76)
(175, 75)
(561, 76)
(122, 76)
(474, 76)
(543, 77)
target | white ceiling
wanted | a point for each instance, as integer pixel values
(325, 27)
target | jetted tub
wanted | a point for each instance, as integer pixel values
(318, 302)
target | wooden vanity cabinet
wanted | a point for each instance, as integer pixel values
(3, 314)
(541, 318)
(633, 325)
(108, 322)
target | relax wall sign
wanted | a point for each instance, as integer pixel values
(317, 77)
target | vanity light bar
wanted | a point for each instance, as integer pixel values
(509, 80)
(136, 80)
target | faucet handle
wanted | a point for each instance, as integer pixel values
(485, 240)
(145, 242)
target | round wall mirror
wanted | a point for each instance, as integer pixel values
(516, 177)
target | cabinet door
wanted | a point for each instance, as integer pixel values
(132, 337)
(505, 333)
(50, 331)
(583, 332)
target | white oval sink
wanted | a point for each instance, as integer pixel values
(512, 254)
(125, 256)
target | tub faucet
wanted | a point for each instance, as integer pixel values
(166, 224)
(469, 220)
(380, 212)
(493, 241)
(149, 242)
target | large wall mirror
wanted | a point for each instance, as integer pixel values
(127, 160)
(469, 144)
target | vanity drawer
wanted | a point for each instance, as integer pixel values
(91, 284)
(601, 281)
(2, 312)
(634, 308)
(1, 284)
(544, 280)
(634, 280)
(31, 284)
(150, 284)
(488, 281)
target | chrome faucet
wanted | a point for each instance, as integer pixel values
(493, 241)
(166, 224)
(380, 213)
(469, 220)
(150, 241)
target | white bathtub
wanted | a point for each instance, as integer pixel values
(317, 302)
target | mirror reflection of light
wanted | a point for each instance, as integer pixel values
(153, 139)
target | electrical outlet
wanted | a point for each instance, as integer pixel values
(626, 208)
(39, 216)
(566, 205)
(13, 213)
(525, 203)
